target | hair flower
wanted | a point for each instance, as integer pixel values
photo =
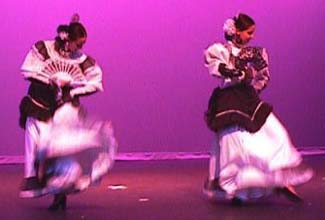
(229, 27)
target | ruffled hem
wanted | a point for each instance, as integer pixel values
(254, 163)
(78, 153)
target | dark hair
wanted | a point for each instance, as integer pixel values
(75, 30)
(242, 22)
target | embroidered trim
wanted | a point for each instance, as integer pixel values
(257, 108)
(240, 112)
(37, 103)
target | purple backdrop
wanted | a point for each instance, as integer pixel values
(156, 86)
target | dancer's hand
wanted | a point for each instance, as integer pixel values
(61, 79)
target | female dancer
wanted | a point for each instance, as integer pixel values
(257, 156)
(65, 151)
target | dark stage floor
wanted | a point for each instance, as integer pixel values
(159, 190)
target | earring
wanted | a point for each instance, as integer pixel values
(238, 40)
(66, 46)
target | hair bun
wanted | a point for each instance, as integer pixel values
(75, 18)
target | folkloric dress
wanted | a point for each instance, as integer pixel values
(256, 153)
(76, 151)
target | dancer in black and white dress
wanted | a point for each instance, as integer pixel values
(256, 154)
(66, 151)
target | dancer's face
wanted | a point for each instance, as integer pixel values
(243, 37)
(76, 45)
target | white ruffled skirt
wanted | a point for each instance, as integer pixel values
(78, 152)
(251, 164)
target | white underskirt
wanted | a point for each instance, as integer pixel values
(251, 164)
(79, 149)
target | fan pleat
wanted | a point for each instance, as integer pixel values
(53, 67)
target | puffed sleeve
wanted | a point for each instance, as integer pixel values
(215, 55)
(34, 62)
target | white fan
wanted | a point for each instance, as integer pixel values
(63, 72)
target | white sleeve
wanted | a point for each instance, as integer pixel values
(214, 55)
(93, 82)
(33, 65)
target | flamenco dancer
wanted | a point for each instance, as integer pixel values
(65, 150)
(256, 156)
